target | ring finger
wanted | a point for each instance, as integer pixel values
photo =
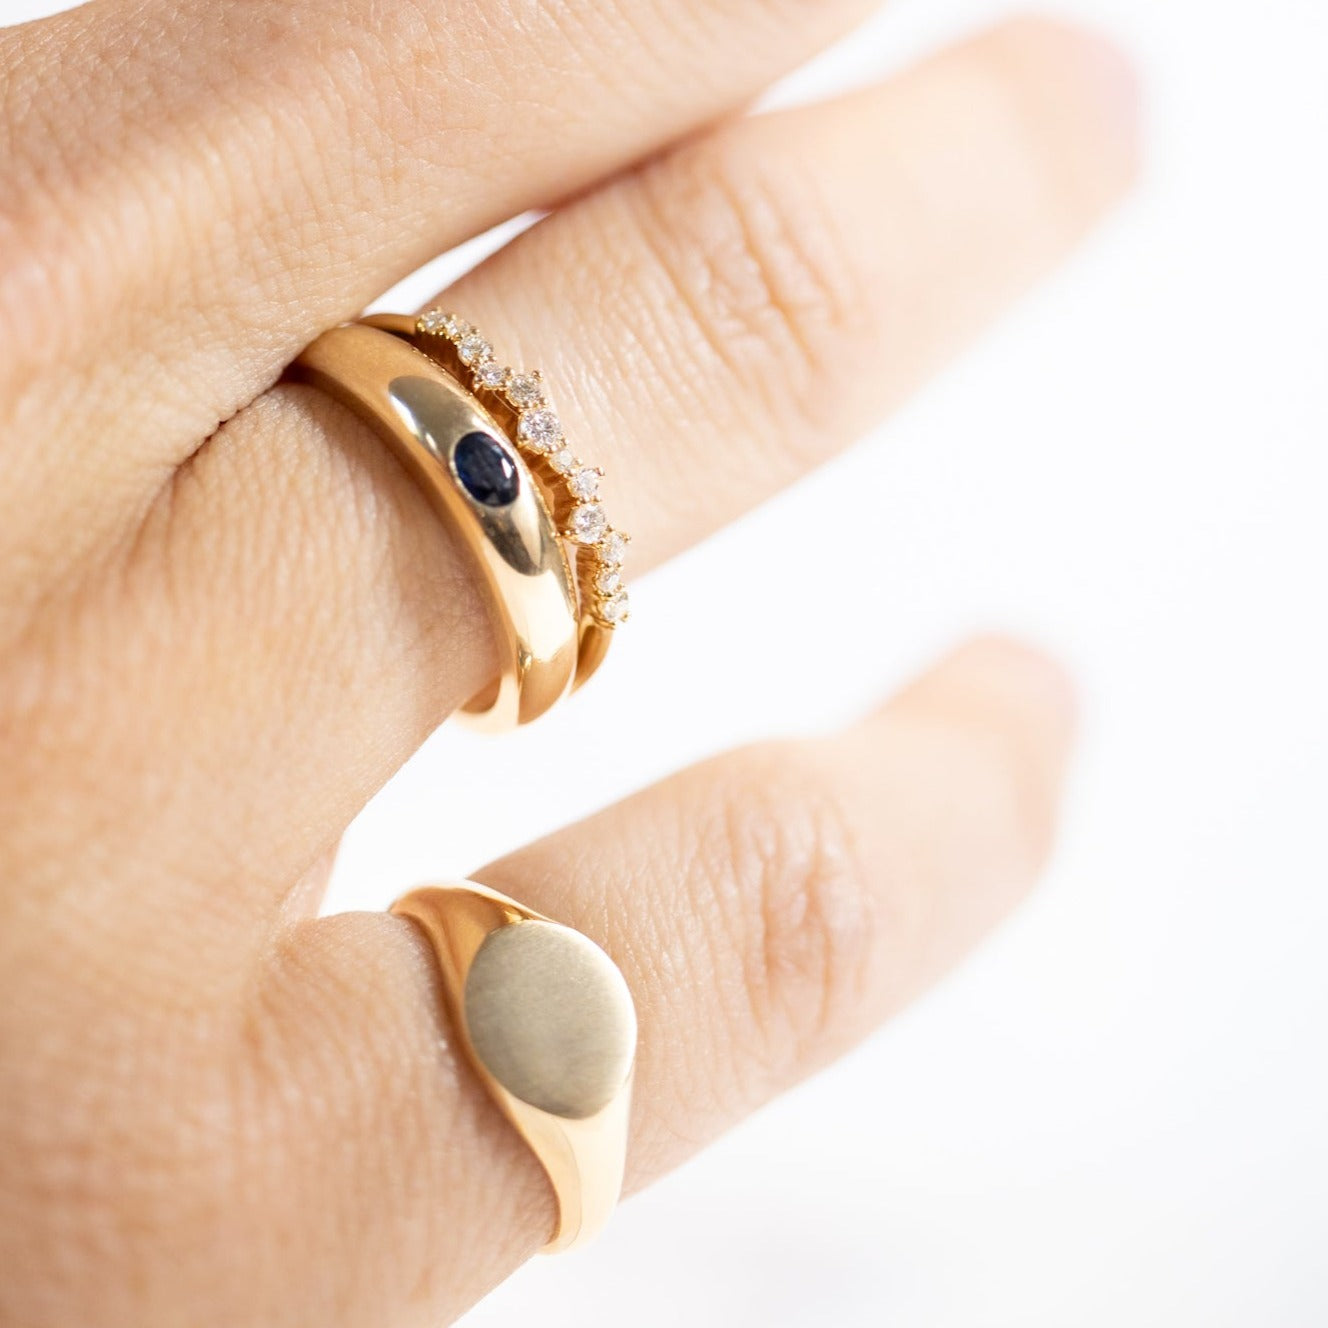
(768, 909)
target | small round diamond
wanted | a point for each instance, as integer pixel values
(613, 550)
(525, 390)
(443, 324)
(584, 483)
(491, 375)
(614, 610)
(473, 349)
(490, 477)
(588, 523)
(539, 429)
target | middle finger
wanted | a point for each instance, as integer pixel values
(190, 192)
(301, 618)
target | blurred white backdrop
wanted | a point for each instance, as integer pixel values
(1118, 1112)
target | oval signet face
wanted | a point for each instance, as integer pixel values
(486, 470)
(550, 1017)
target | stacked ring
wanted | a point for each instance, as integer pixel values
(480, 484)
(520, 401)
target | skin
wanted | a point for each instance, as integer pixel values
(228, 623)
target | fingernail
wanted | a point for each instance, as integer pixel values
(1025, 676)
(1089, 96)
(1111, 81)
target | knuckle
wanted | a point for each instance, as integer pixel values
(805, 908)
(36, 260)
(760, 272)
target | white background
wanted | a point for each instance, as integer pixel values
(1116, 1114)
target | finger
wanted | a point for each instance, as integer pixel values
(728, 317)
(768, 909)
(192, 191)
(747, 381)
(301, 620)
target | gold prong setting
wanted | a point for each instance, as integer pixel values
(539, 434)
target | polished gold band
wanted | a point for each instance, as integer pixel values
(548, 1024)
(479, 483)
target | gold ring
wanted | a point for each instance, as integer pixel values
(479, 483)
(520, 401)
(548, 1024)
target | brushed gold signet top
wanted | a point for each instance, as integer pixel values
(547, 1022)
(423, 413)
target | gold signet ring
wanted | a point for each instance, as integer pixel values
(547, 1023)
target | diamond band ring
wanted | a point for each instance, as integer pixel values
(548, 1025)
(482, 486)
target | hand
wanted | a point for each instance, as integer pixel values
(226, 615)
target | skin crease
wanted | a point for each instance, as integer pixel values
(217, 643)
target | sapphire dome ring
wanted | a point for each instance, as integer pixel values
(478, 481)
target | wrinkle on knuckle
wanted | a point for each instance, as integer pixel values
(768, 293)
(802, 907)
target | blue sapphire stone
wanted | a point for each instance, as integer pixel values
(486, 470)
